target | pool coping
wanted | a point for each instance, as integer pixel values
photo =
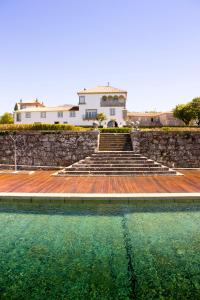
(106, 198)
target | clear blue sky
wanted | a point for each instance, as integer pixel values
(51, 49)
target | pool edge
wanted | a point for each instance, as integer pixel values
(106, 198)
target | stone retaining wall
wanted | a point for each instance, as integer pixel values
(52, 148)
(174, 149)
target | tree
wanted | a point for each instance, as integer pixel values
(183, 112)
(6, 118)
(100, 118)
(195, 108)
(16, 107)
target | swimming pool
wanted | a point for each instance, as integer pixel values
(98, 251)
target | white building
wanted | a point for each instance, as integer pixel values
(102, 99)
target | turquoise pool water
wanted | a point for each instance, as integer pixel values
(99, 252)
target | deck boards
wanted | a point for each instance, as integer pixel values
(43, 182)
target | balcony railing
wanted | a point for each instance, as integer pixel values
(89, 117)
(112, 103)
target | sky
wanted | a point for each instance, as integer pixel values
(51, 49)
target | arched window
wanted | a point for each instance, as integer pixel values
(115, 98)
(104, 98)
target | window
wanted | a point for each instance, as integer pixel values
(90, 114)
(43, 114)
(19, 117)
(81, 99)
(60, 114)
(72, 114)
(27, 115)
(56, 122)
(112, 111)
(152, 120)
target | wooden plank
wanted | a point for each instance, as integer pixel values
(42, 181)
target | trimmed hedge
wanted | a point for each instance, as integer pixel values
(115, 130)
(23, 127)
(190, 129)
(68, 127)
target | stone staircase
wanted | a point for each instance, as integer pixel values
(115, 142)
(116, 163)
(116, 158)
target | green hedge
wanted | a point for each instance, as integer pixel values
(173, 128)
(66, 127)
(115, 130)
(127, 130)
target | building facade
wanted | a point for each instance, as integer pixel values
(103, 99)
(154, 118)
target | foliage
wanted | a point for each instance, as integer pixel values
(6, 118)
(189, 111)
(16, 107)
(47, 127)
(171, 128)
(183, 112)
(115, 130)
(195, 108)
(100, 118)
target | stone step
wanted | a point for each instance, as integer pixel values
(117, 165)
(99, 169)
(116, 173)
(127, 158)
(103, 138)
(115, 142)
(108, 154)
(112, 148)
(121, 159)
(112, 161)
(115, 149)
(114, 135)
(116, 153)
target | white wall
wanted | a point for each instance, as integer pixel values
(51, 118)
(92, 102)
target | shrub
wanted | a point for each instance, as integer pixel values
(115, 130)
(46, 127)
(6, 118)
(171, 128)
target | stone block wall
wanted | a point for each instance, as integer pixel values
(47, 148)
(174, 149)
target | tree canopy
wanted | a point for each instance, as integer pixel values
(195, 107)
(6, 118)
(188, 112)
(183, 112)
(100, 118)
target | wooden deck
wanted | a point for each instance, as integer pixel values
(43, 182)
